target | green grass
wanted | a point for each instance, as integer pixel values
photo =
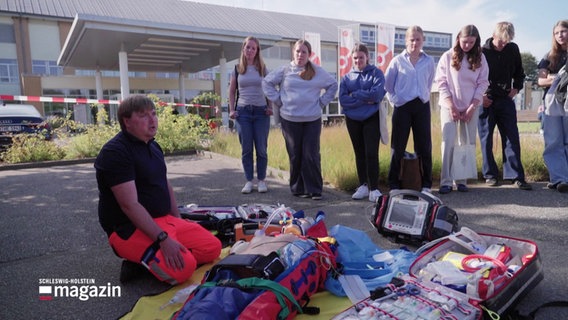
(529, 127)
(338, 160)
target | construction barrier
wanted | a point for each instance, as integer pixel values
(85, 101)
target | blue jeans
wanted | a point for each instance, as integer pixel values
(503, 114)
(253, 125)
(556, 147)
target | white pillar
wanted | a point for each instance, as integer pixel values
(123, 69)
(99, 88)
(99, 83)
(181, 110)
(224, 90)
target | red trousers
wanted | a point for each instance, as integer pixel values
(203, 247)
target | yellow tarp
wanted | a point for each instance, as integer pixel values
(149, 307)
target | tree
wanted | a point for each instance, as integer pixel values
(530, 66)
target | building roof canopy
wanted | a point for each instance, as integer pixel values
(169, 35)
(94, 42)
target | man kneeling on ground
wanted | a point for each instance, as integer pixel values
(137, 207)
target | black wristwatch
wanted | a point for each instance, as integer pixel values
(162, 236)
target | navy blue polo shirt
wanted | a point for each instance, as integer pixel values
(126, 158)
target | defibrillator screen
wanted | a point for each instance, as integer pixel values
(406, 216)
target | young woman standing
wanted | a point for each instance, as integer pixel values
(296, 88)
(462, 78)
(408, 82)
(248, 106)
(555, 127)
(360, 94)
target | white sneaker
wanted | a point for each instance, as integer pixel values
(262, 188)
(374, 195)
(426, 190)
(361, 193)
(247, 188)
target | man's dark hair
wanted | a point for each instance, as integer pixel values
(133, 104)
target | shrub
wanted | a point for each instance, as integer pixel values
(89, 143)
(181, 132)
(74, 140)
(31, 148)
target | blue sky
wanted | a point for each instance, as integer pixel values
(533, 20)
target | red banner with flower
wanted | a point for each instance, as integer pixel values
(314, 40)
(385, 45)
(346, 43)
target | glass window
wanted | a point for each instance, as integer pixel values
(277, 52)
(364, 35)
(368, 36)
(54, 69)
(285, 53)
(7, 33)
(271, 53)
(109, 73)
(84, 73)
(267, 53)
(39, 68)
(9, 71)
(46, 67)
(167, 75)
(399, 38)
(328, 54)
(372, 57)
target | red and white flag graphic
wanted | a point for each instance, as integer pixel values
(385, 45)
(346, 42)
(315, 41)
(45, 293)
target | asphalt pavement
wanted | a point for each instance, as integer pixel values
(50, 231)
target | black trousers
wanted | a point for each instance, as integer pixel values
(303, 147)
(365, 136)
(413, 115)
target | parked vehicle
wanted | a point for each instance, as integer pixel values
(20, 119)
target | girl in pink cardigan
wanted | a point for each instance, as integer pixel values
(462, 78)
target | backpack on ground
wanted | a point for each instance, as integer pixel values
(270, 277)
(410, 175)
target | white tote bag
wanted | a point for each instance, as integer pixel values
(464, 162)
(553, 106)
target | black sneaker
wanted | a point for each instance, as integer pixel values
(492, 182)
(301, 195)
(562, 187)
(462, 188)
(445, 189)
(131, 270)
(523, 185)
(316, 196)
(551, 186)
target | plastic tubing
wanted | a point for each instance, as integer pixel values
(279, 211)
(497, 263)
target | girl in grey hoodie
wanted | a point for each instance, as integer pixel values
(296, 89)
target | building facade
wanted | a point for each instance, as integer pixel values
(37, 39)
